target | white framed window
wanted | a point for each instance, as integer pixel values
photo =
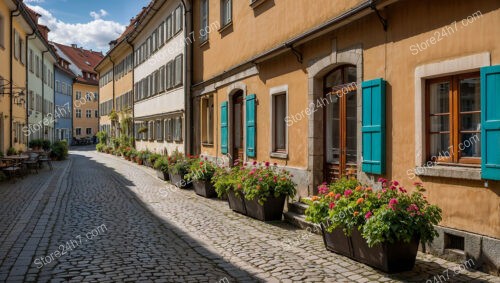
(37, 66)
(78, 113)
(30, 60)
(177, 19)
(78, 95)
(161, 31)
(88, 131)
(168, 129)
(88, 113)
(203, 20)
(207, 120)
(168, 26)
(2, 31)
(16, 44)
(169, 75)
(162, 79)
(159, 130)
(226, 11)
(22, 47)
(279, 130)
(177, 129)
(178, 71)
(88, 96)
(78, 131)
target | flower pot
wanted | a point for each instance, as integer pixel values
(204, 188)
(271, 210)
(336, 241)
(390, 258)
(236, 203)
(162, 175)
(138, 160)
(178, 181)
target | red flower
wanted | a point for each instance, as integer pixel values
(267, 163)
(347, 193)
(201, 162)
(323, 189)
(368, 215)
(332, 205)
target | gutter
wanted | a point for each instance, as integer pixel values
(27, 82)
(43, 90)
(188, 116)
(302, 38)
(133, 89)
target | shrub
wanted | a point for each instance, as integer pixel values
(11, 151)
(161, 164)
(102, 136)
(225, 179)
(100, 147)
(45, 145)
(36, 143)
(265, 181)
(153, 157)
(200, 170)
(60, 150)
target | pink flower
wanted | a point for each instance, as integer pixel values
(412, 207)
(267, 163)
(275, 164)
(338, 196)
(401, 189)
(368, 215)
(395, 183)
(384, 190)
(323, 189)
(332, 205)
(392, 203)
(260, 179)
(393, 187)
(347, 193)
(254, 163)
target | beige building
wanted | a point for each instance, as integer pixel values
(398, 90)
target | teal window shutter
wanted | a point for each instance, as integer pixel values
(490, 123)
(373, 126)
(223, 128)
(250, 124)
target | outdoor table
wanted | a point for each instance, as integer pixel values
(17, 157)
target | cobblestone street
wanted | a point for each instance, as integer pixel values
(99, 218)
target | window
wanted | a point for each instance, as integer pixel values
(37, 66)
(177, 20)
(178, 71)
(88, 96)
(207, 118)
(30, 62)
(150, 130)
(78, 95)
(16, 44)
(168, 129)
(279, 125)
(204, 20)
(226, 12)
(2, 31)
(162, 79)
(22, 47)
(168, 26)
(78, 131)
(453, 111)
(88, 131)
(159, 130)
(88, 113)
(177, 129)
(78, 113)
(161, 31)
(96, 113)
(169, 75)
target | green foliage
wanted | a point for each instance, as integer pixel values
(60, 150)
(225, 179)
(161, 164)
(113, 116)
(102, 136)
(1, 154)
(262, 182)
(100, 147)
(200, 170)
(143, 130)
(35, 143)
(115, 143)
(153, 157)
(11, 151)
(45, 145)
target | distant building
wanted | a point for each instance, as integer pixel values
(64, 100)
(85, 88)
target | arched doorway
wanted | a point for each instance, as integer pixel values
(340, 130)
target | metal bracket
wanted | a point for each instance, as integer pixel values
(297, 53)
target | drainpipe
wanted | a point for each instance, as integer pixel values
(133, 89)
(188, 119)
(11, 25)
(113, 92)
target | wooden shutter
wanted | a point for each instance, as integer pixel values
(490, 123)
(251, 130)
(373, 126)
(224, 128)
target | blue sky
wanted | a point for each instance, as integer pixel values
(88, 23)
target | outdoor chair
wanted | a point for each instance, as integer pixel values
(45, 157)
(11, 168)
(32, 163)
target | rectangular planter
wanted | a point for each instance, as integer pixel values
(236, 203)
(336, 241)
(390, 258)
(204, 188)
(271, 210)
(162, 175)
(178, 181)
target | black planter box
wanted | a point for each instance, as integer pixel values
(204, 188)
(390, 258)
(272, 209)
(162, 175)
(337, 242)
(178, 180)
(236, 203)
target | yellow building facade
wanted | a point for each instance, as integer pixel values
(285, 82)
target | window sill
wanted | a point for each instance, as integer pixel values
(225, 27)
(204, 42)
(281, 155)
(256, 3)
(207, 144)
(469, 173)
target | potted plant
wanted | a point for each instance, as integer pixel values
(145, 158)
(383, 228)
(266, 188)
(151, 160)
(139, 157)
(200, 174)
(161, 166)
(227, 183)
(35, 144)
(59, 150)
(45, 145)
(11, 151)
(178, 170)
(132, 154)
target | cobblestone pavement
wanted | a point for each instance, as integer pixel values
(99, 218)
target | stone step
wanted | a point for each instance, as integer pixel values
(299, 220)
(297, 207)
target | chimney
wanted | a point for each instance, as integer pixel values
(74, 45)
(44, 30)
(112, 44)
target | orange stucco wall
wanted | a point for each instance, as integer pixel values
(92, 105)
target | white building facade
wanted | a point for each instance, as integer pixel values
(159, 79)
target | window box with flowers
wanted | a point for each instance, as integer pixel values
(381, 228)
(227, 184)
(161, 167)
(200, 174)
(178, 169)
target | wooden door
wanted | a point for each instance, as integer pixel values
(237, 126)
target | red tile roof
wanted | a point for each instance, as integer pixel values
(84, 59)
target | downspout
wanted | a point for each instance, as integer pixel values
(188, 119)
(11, 88)
(133, 89)
(113, 90)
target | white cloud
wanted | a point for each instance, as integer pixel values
(95, 34)
(34, 1)
(98, 15)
